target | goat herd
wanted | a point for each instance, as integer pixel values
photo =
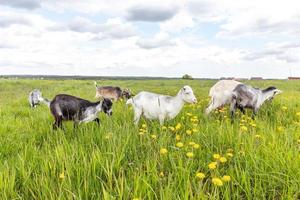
(151, 105)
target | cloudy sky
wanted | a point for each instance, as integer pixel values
(204, 38)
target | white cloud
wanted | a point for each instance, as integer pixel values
(159, 40)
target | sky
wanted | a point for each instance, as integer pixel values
(169, 38)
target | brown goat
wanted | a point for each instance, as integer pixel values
(111, 92)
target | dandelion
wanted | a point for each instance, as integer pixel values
(136, 198)
(229, 155)
(141, 133)
(280, 128)
(298, 114)
(189, 132)
(161, 174)
(178, 126)
(154, 137)
(257, 136)
(144, 126)
(230, 150)
(62, 175)
(216, 156)
(226, 178)
(178, 137)
(171, 128)
(179, 144)
(192, 143)
(212, 165)
(243, 128)
(163, 151)
(196, 146)
(217, 181)
(195, 130)
(200, 175)
(189, 154)
(223, 160)
(189, 114)
(284, 108)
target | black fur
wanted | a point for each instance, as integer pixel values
(67, 107)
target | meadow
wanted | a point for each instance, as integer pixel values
(191, 157)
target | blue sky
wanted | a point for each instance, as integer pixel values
(205, 38)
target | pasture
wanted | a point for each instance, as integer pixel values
(190, 157)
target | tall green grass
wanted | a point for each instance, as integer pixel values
(116, 160)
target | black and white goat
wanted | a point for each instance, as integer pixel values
(245, 96)
(66, 107)
(35, 98)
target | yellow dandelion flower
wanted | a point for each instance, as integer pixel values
(179, 144)
(171, 128)
(189, 132)
(284, 108)
(212, 165)
(196, 146)
(195, 130)
(230, 150)
(257, 136)
(161, 174)
(280, 129)
(142, 130)
(217, 181)
(200, 175)
(178, 137)
(189, 154)
(243, 128)
(189, 114)
(223, 160)
(144, 126)
(62, 175)
(226, 178)
(298, 114)
(229, 155)
(192, 143)
(178, 126)
(154, 137)
(216, 156)
(141, 133)
(136, 199)
(163, 151)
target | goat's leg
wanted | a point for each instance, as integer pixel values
(137, 116)
(161, 119)
(232, 109)
(57, 123)
(210, 107)
(97, 121)
(255, 110)
(242, 109)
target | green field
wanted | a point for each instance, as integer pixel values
(116, 160)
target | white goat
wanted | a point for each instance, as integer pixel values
(221, 94)
(238, 95)
(35, 98)
(157, 106)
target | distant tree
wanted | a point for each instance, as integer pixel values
(187, 76)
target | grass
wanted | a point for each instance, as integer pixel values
(116, 160)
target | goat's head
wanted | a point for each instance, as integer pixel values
(188, 94)
(126, 93)
(106, 106)
(271, 92)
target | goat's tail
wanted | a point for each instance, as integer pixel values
(129, 101)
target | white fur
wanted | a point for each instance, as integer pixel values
(221, 94)
(157, 106)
